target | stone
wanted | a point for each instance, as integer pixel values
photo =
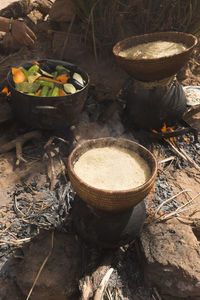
(60, 275)
(62, 11)
(171, 260)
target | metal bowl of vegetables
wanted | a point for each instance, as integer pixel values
(48, 94)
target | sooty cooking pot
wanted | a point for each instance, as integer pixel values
(48, 112)
(107, 229)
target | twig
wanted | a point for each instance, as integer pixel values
(17, 210)
(184, 155)
(171, 198)
(85, 286)
(179, 209)
(18, 144)
(166, 160)
(19, 154)
(20, 139)
(3, 231)
(42, 266)
(156, 292)
(15, 242)
(120, 293)
(103, 285)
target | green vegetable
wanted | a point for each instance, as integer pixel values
(62, 70)
(24, 71)
(44, 91)
(31, 94)
(33, 77)
(55, 92)
(34, 68)
(43, 82)
(55, 74)
(27, 87)
(50, 92)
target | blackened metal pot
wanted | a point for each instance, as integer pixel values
(48, 112)
(107, 229)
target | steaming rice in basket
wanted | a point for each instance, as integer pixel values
(153, 50)
(112, 168)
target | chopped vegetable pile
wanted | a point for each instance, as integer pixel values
(37, 82)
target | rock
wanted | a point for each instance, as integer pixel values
(171, 258)
(59, 277)
(62, 11)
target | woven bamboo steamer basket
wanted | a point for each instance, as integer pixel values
(108, 200)
(156, 68)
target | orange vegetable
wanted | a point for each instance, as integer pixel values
(36, 63)
(61, 92)
(18, 75)
(62, 78)
(49, 79)
(38, 93)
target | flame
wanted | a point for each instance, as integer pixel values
(166, 129)
(5, 91)
(187, 140)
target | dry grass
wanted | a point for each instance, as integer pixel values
(106, 22)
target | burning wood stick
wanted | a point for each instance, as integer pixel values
(18, 144)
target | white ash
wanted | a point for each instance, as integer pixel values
(192, 96)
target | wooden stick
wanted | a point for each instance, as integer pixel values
(171, 198)
(15, 242)
(85, 286)
(22, 139)
(179, 209)
(156, 292)
(103, 285)
(184, 155)
(166, 160)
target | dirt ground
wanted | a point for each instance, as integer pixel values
(106, 80)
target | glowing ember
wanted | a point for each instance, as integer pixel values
(5, 91)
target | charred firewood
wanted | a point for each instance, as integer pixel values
(18, 144)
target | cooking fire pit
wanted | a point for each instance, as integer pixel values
(153, 95)
(109, 218)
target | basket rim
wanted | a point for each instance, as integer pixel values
(148, 35)
(112, 192)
